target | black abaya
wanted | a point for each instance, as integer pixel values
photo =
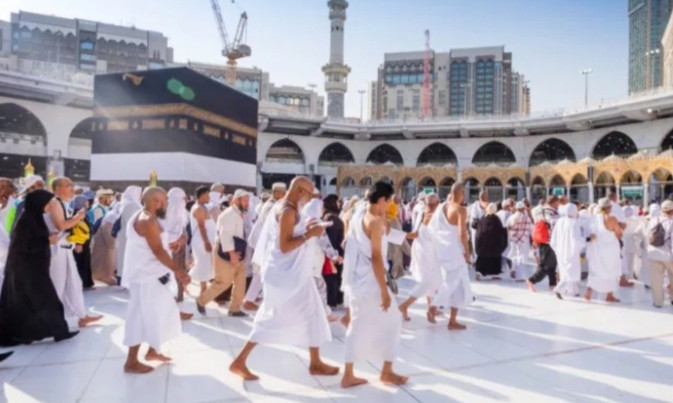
(491, 242)
(30, 310)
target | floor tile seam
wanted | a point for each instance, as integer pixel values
(88, 384)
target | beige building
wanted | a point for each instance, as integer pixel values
(667, 49)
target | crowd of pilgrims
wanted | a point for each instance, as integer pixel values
(293, 258)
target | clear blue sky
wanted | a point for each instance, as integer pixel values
(551, 40)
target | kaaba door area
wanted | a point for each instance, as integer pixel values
(188, 128)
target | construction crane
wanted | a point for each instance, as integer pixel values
(425, 105)
(232, 50)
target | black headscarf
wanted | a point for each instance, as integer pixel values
(31, 220)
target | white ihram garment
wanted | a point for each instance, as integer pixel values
(203, 270)
(292, 312)
(567, 242)
(373, 334)
(603, 254)
(255, 288)
(455, 290)
(423, 265)
(152, 316)
(64, 275)
(129, 205)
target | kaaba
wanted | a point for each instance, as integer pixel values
(187, 128)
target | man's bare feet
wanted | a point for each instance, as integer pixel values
(405, 312)
(154, 355)
(242, 370)
(346, 319)
(323, 369)
(137, 368)
(250, 306)
(587, 295)
(432, 314)
(391, 378)
(456, 326)
(186, 316)
(611, 298)
(351, 381)
(88, 320)
(530, 285)
(623, 282)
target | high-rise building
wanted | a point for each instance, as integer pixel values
(520, 94)
(667, 51)
(463, 82)
(336, 72)
(647, 23)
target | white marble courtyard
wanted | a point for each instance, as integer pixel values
(519, 347)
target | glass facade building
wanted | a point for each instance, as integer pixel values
(647, 23)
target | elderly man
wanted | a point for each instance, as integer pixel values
(229, 255)
(617, 211)
(660, 256)
(97, 213)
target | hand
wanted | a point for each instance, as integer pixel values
(385, 300)
(235, 257)
(79, 248)
(174, 246)
(467, 257)
(593, 237)
(80, 215)
(53, 239)
(183, 278)
(338, 260)
(314, 231)
(412, 235)
(208, 246)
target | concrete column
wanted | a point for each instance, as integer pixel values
(529, 193)
(568, 191)
(591, 192)
(619, 193)
(646, 194)
(504, 192)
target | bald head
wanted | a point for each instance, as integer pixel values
(63, 188)
(300, 191)
(458, 193)
(155, 201)
(483, 195)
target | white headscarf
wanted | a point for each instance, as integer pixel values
(567, 239)
(112, 215)
(654, 211)
(568, 210)
(176, 214)
(132, 196)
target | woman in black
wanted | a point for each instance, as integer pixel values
(491, 242)
(335, 233)
(29, 307)
(81, 237)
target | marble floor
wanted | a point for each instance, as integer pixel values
(519, 346)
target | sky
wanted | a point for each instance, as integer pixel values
(551, 40)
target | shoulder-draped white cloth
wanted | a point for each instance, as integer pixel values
(603, 254)
(567, 242)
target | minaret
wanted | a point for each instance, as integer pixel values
(336, 72)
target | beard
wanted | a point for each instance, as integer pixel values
(161, 213)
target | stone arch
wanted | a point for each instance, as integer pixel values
(285, 150)
(77, 165)
(616, 143)
(407, 188)
(551, 150)
(631, 177)
(605, 178)
(557, 181)
(367, 181)
(437, 154)
(427, 181)
(472, 188)
(17, 119)
(578, 179)
(493, 152)
(335, 154)
(385, 153)
(538, 181)
(660, 184)
(447, 181)
(516, 188)
(348, 182)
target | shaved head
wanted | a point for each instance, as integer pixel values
(300, 191)
(155, 201)
(458, 193)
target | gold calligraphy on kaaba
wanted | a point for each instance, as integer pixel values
(149, 124)
(238, 139)
(183, 124)
(211, 131)
(117, 125)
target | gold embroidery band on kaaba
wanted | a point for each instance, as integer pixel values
(172, 110)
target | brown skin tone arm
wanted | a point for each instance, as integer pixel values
(288, 242)
(462, 228)
(614, 226)
(376, 235)
(201, 216)
(59, 220)
(149, 228)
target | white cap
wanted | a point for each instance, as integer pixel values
(240, 193)
(421, 196)
(104, 192)
(264, 195)
(604, 203)
(279, 186)
(520, 205)
(506, 203)
(667, 206)
(32, 180)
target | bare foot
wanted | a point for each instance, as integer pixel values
(323, 369)
(530, 285)
(623, 282)
(153, 355)
(392, 378)
(611, 298)
(587, 295)
(137, 368)
(250, 306)
(242, 371)
(186, 316)
(431, 314)
(346, 320)
(88, 320)
(456, 326)
(351, 381)
(496, 278)
(405, 312)
(477, 277)
(332, 318)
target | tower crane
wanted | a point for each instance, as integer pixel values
(235, 49)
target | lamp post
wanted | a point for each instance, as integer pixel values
(649, 55)
(586, 73)
(362, 94)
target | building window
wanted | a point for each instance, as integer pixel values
(442, 97)
(87, 45)
(400, 102)
(87, 57)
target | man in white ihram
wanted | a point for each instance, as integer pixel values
(152, 314)
(292, 312)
